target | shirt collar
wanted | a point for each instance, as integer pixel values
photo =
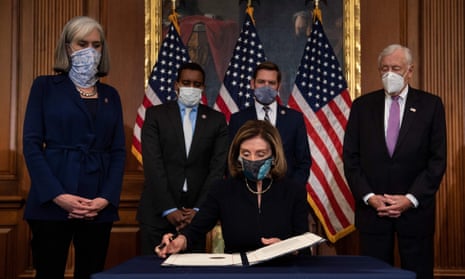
(182, 107)
(273, 106)
(402, 95)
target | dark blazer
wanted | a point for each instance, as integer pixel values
(291, 126)
(67, 151)
(283, 213)
(417, 165)
(166, 165)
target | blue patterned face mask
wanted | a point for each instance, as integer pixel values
(265, 95)
(84, 67)
(256, 170)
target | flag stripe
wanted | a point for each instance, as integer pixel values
(321, 136)
(327, 162)
(225, 103)
(320, 181)
(325, 198)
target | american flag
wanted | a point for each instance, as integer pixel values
(235, 92)
(173, 53)
(320, 93)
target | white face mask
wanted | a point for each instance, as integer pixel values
(189, 96)
(393, 83)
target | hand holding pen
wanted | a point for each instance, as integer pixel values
(171, 244)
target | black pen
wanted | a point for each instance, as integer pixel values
(163, 245)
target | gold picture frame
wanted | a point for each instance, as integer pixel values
(351, 35)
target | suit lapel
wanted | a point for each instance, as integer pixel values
(409, 116)
(250, 113)
(77, 100)
(103, 111)
(281, 121)
(174, 117)
(378, 119)
(200, 127)
(69, 87)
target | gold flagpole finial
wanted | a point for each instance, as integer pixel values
(173, 17)
(173, 7)
(249, 10)
(317, 12)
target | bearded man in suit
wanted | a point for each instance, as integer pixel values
(394, 159)
(184, 149)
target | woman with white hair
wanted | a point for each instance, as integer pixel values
(74, 148)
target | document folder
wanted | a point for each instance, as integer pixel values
(260, 255)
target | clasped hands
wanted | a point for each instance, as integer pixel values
(390, 205)
(180, 218)
(79, 207)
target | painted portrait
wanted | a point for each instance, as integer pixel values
(210, 29)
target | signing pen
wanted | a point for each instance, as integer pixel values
(163, 245)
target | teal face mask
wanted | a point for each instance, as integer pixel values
(256, 170)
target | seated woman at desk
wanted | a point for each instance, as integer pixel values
(257, 206)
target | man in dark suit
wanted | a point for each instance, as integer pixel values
(265, 81)
(394, 159)
(178, 176)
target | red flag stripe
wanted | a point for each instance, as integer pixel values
(225, 103)
(331, 173)
(329, 153)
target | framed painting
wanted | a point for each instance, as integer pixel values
(282, 27)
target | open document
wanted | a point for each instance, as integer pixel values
(249, 258)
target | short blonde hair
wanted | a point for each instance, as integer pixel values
(76, 29)
(267, 132)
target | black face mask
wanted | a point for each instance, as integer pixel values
(256, 170)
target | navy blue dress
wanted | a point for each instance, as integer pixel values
(283, 213)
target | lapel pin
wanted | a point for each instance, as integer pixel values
(106, 100)
(413, 109)
(283, 112)
(204, 116)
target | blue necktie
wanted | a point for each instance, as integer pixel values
(187, 128)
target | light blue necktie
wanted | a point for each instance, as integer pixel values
(187, 128)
